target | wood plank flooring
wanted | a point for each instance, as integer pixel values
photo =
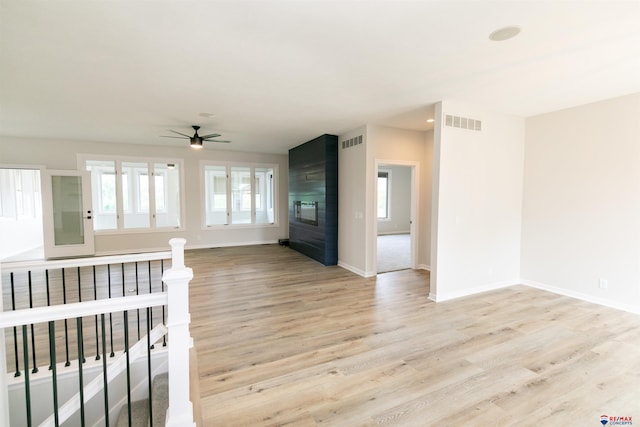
(283, 340)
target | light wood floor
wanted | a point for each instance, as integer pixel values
(283, 340)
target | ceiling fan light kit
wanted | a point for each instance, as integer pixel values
(196, 141)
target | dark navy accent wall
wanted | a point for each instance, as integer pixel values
(313, 177)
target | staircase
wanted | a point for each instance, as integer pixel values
(140, 408)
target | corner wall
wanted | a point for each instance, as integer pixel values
(352, 202)
(581, 209)
(477, 205)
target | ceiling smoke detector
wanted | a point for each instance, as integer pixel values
(505, 33)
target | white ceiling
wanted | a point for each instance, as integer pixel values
(275, 74)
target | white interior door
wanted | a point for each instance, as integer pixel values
(67, 217)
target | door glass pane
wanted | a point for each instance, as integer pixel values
(215, 178)
(67, 210)
(103, 190)
(135, 193)
(240, 195)
(264, 195)
(166, 178)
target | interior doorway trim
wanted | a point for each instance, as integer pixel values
(414, 220)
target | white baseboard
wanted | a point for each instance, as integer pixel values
(231, 244)
(187, 247)
(446, 296)
(394, 232)
(424, 267)
(133, 251)
(582, 296)
(355, 270)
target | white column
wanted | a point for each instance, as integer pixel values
(180, 412)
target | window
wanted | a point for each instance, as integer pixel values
(133, 194)
(135, 184)
(215, 178)
(167, 194)
(264, 195)
(237, 194)
(20, 194)
(383, 194)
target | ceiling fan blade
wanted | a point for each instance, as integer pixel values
(212, 135)
(177, 137)
(217, 140)
(187, 136)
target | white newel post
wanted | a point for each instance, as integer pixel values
(180, 412)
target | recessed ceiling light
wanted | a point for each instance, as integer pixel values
(505, 33)
(430, 120)
(207, 115)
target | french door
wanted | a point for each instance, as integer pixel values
(67, 216)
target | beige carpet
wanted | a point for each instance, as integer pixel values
(394, 252)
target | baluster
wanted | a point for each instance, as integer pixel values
(15, 329)
(110, 314)
(54, 373)
(105, 383)
(126, 349)
(137, 293)
(66, 326)
(80, 343)
(95, 318)
(33, 335)
(80, 376)
(51, 339)
(27, 384)
(164, 337)
(150, 292)
(149, 368)
(124, 292)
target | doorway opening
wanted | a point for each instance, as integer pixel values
(20, 215)
(395, 228)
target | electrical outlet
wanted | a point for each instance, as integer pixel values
(604, 283)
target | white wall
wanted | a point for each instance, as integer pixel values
(399, 209)
(581, 219)
(352, 238)
(477, 202)
(55, 154)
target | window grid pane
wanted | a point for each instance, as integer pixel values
(215, 195)
(240, 195)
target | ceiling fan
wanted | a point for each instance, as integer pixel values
(196, 140)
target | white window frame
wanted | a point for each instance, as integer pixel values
(134, 198)
(252, 180)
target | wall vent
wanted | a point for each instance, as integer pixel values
(462, 122)
(351, 142)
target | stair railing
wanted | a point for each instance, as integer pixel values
(176, 297)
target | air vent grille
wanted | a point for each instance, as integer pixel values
(352, 142)
(462, 122)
